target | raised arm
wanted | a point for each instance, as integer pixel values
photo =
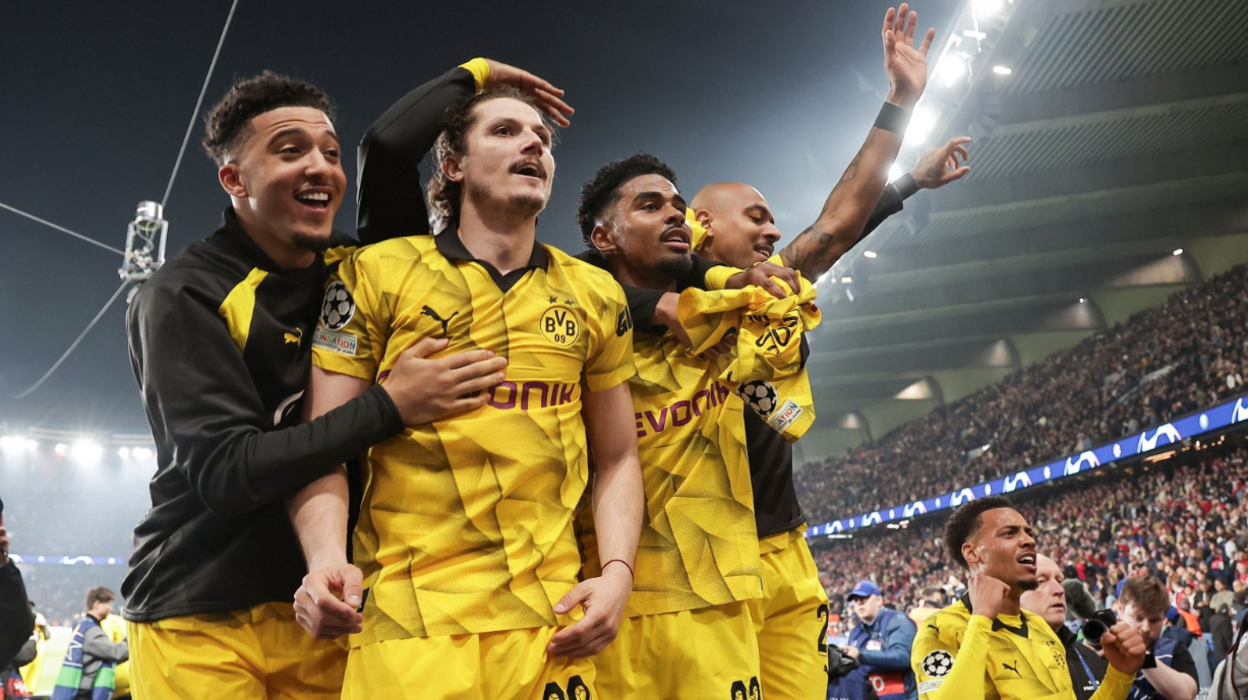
(851, 202)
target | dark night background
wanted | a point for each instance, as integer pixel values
(95, 98)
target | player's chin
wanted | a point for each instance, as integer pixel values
(311, 239)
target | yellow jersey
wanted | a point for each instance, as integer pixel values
(960, 656)
(466, 524)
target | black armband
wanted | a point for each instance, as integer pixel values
(892, 118)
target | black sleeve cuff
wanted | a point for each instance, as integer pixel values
(906, 186)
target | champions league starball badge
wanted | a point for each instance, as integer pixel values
(338, 308)
(938, 664)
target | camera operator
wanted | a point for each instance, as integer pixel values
(1169, 672)
(16, 622)
(881, 644)
(985, 645)
(1048, 600)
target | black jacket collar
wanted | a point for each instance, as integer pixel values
(234, 234)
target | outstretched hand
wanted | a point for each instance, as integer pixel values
(905, 65)
(549, 97)
(940, 165)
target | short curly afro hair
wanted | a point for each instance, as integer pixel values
(602, 192)
(966, 520)
(228, 123)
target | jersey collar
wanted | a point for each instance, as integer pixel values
(451, 246)
(232, 230)
(1021, 630)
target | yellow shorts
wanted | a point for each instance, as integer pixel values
(510, 665)
(260, 652)
(707, 654)
(791, 619)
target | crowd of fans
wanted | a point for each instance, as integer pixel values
(1188, 353)
(1184, 520)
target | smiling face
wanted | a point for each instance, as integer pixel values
(646, 228)
(1004, 547)
(286, 181)
(507, 165)
(1048, 600)
(741, 229)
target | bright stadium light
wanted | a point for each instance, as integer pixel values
(1002, 70)
(952, 68)
(86, 450)
(921, 124)
(142, 453)
(123, 452)
(870, 254)
(32, 444)
(1178, 251)
(987, 8)
(1082, 300)
(61, 448)
(847, 280)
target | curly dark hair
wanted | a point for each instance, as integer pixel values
(966, 520)
(444, 196)
(228, 123)
(601, 193)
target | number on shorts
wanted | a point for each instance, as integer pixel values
(822, 614)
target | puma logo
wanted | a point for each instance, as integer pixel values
(1014, 668)
(295, 338)
(427, 311)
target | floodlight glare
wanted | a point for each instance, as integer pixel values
(1002, 70)
(1178, 251)
(952, 68)
(61, 448)
(847, 280)
(87, 450)
(870, 254)
(987, 8)
(123, 452)
(921, 124)
(894, 172)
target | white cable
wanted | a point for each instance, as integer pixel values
(62, 229)
(81, 335)
(194, 114)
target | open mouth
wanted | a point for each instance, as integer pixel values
(530, 168)
(765, 249)
(1029, 562)
(677, 238)
(315, 199)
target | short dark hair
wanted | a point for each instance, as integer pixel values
(444, 196)
(1147, 593)
(966, 520)
(602, 192)
(228, 123)
(99, 594)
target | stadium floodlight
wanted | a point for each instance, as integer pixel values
(921, 124)
(142, 453)
(987, 8)
(847, 280)
(145, 243)
(123, 452)
(61, 448)
(1178, 251)
(952, 68)
(86, 450)
(32, 444)
(11, 443)
(894, 172)
(1002, 70)
(871, 254)
(1083, 300)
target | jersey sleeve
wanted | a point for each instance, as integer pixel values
(946, 668)
(355, 321)
(1116, 685)
(390, 200)
(610, 359)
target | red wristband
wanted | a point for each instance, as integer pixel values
(630, 569)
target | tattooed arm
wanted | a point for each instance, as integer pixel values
(851, 202)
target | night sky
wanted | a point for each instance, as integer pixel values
(95, 99)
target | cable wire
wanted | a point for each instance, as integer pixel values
(62, 229)
(78, 340)
(198, 103)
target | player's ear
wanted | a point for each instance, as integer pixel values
(970, 554)
(453, 169)
(603, 239)
(231, 178)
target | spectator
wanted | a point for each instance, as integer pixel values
(881, 644)
(1223, 636)
(87, 673)
(1048, 600)
(1169, 673)
(931, 602)
(16, 622)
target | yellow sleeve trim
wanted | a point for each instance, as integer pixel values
(480, 69)
(239, 305)
(717, 277)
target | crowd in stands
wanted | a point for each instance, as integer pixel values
(1188, 353)
(1184, 520)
